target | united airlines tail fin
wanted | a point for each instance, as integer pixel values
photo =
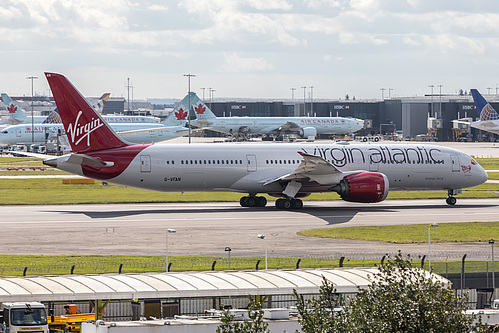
(485, 110)
(16, 114)
(85, 128)
(53, 118)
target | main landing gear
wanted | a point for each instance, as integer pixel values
(289, 203)
(253, 201)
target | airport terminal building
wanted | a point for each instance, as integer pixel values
(410, 116)
(430, 117)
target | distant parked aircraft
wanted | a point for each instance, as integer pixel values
(489, 119)
(172, 127)
(304, 127)
(16, 114)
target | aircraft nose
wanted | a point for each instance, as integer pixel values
(480, 176)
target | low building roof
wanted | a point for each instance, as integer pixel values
(183, 285)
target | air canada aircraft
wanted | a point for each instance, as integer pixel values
(304, 127)
(172, 127)
(488, 117)
(16, 114)
(357, 172)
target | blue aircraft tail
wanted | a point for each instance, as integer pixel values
(484, 109)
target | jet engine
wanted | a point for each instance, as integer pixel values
(307, 132)
(363, 187)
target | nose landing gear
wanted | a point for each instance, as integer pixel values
(451, 200)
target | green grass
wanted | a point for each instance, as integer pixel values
(493, 175)
(415, 233)
(489, 163)
(38, 265)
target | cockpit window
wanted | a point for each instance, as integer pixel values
(473, 162)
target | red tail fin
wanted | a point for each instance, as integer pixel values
(85, 129)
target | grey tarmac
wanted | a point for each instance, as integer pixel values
(207, 228)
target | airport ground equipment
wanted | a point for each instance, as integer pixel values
(23, 317)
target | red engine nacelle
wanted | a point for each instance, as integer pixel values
(363, 187)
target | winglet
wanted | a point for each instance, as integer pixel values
(485, 110)
(86, 130)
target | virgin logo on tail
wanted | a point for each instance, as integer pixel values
(79, 132)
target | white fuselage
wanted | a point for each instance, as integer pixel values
(247, 167)
(129, 119)
(267, 125)
(42, 132)
(487, 125)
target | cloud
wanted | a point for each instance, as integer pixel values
(236, 64)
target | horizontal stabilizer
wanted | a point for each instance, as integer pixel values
(90, 161)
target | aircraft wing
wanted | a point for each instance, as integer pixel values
(27, 154)
(312, 168)
(287, 126)
(290, 126)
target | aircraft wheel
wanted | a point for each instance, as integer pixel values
(243, 202)
(451, 201)
(261, 201)
(297, 204)
(286, 204)
(278, 203)
(250, 201)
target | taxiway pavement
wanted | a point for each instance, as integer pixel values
(207, 228)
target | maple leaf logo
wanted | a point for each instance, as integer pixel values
(200, 109)
(181, 114)
(12, 108)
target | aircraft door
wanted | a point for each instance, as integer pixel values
(145, 163)
(455, 163)
(18, 132)
(222, 124)
(373, 163)
(251, 163)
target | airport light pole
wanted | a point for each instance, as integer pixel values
(431, 106)
(293, 93)
(440, 102)
(228, 249)
(382, 93)
(491, 242)
(390, 93)
(429, 244)
(262, 236)
(312, 100)
(32, 111)
(189, 111)
(304, 100)
(168, 231)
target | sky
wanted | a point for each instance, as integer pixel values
(251, 49)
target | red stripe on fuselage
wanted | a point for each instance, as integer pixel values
(121, 157)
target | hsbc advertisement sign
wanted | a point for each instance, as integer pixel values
(341, 107)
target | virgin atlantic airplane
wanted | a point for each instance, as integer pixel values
(357, 172)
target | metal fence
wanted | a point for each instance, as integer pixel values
(238, 263)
